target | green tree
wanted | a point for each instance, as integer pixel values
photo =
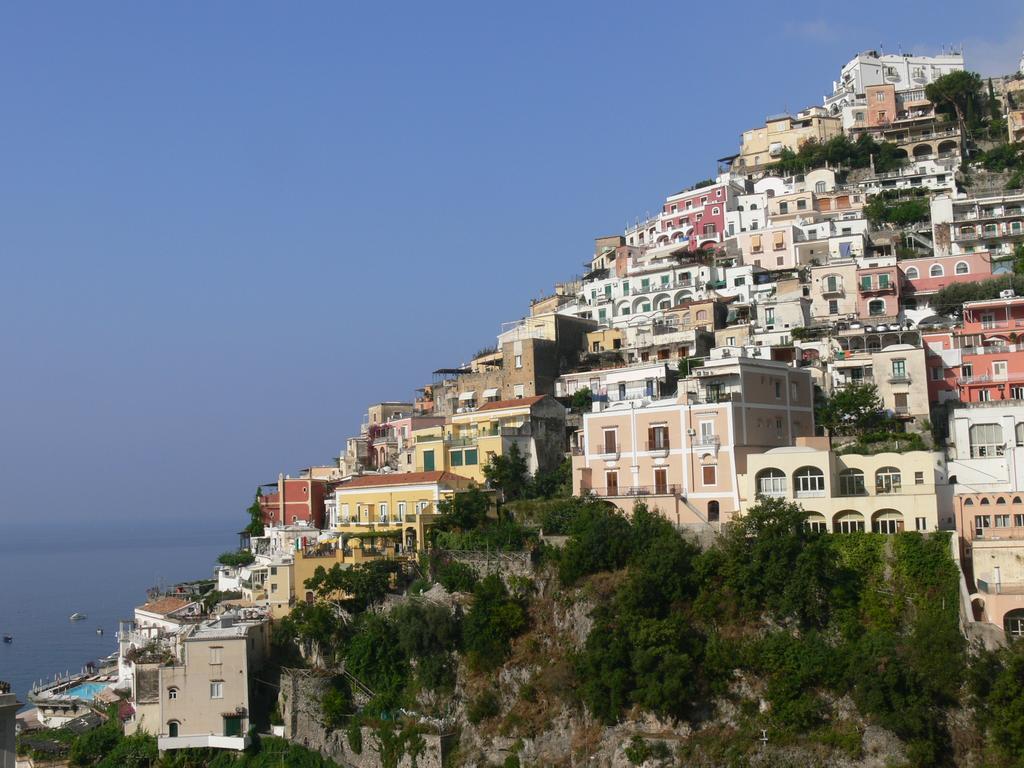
(599, 540)
(355, 588)
(508, 473)
(462, 511)
(236, 559)
(959, 91)
(376, 659)
(853, 410)
(581, 400)
(255, 526)
(494, 619)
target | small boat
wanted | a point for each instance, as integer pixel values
(76, 616)
(8, 638)
(99, 630)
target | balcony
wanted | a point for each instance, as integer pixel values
(889, 287)
(638, 490)
(707, 441)
(836, 290)
(855, 382)
(709, 237)
(658, 447)
(607, 452)
(900, 378)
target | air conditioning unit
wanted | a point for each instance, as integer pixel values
(691, 432)
(1007, 294)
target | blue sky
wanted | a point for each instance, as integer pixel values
(225, 228)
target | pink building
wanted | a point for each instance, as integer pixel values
(923, 277)
(294, 500)
(878, 293)
(992, 355)
(682, 455)
(694, 218)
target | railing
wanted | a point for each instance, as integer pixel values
(899, 379)
(715, 236)
(658, 446)
(810, 493)
(987, 451)
(855, 382)
(877, 288)
(662, 328)
(707, 441)
(901, 410)
(990, 214)
(638, 490)
(992, 349)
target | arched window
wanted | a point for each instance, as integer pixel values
(771, 482)
(702, 315)
(887, 521)
(985, 501)
(172, 693)
(962, 268)
(851, 483)
(172, 728)
(753, 206)
(1000, 500)
(1013, 622)
(809, 481)
(936, 271)
(888, 480)
(713, 512)
(819, 187)
(1016, 499)
(876, 307)
(849, 522)
(912, 273)
(816, 523)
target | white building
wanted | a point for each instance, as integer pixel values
(965, 224)
(651, 380)
(903, 71)
(987, 446)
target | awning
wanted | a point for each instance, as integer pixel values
(493, 392)
(467, 396)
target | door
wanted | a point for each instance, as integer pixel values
(622, 391)
(172, 729)
(901, 402)
(612, 483)
(707, 432)
(660, 481)
(232, 725)
(609, 441)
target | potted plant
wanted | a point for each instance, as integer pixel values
(277, 722)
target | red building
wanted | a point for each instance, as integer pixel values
(691, 219)
(294, 500)
(992, 355)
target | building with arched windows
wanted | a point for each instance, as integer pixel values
(885, 493)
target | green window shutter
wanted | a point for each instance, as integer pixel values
(428, 461)
(471, 459)
(456, 458)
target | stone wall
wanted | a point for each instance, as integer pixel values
(299, 702)
(504, 564)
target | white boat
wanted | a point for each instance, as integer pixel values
(76, 616)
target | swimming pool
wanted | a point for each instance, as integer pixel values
(86, 691)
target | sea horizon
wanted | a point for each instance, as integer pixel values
(102, 570)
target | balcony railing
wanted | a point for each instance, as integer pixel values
(607, 452)
(661, 447)
(899, 378)
(638, 490)
(855, 382)
(707, 441)
(889, 287)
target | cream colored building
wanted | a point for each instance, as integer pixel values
(898, 371)
(681, 455)
(886, 493)
(201, 697)
(764, 145)
(834, 290)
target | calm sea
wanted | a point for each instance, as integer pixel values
(46, 574)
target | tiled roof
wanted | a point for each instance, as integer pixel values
(403, 478)
(515, 403)
(164, 605)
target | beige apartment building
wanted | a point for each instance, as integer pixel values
(886, 493)
(898, 371)
(196, 693)
(682, 455)
(763, 146)
(834, 290)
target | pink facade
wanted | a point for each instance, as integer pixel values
(927, 275)
(701, 212)
(681, 456)
(878, 293)
(992, 365)
(942, 376)
(295, 500)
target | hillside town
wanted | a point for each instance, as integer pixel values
(831, 318)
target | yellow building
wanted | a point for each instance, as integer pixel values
(764, 145)
(885, 493)
(399, 507)
(467, 443)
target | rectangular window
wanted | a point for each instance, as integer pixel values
(610, 441)
(755, 243)
(709, 476)
(920, 524)
(1017, 392)
(865, 283)
(936, 373)
(981, 522)
(999, 369)
(611, 480)
(833, 307)
(778, 390)
(1018, 521)
(984, 396)
(428, 461)
(1002, 521)
(382, 513)
(456, 458)
(216, 654)
(778, 240)
(625, 287)
(401, 511)
(883, 280)
(470, 457)
(518, 391)
(783, 207)
(657, 438)
(899, 369)
(216, 689)
(519, 361)
(919, 478)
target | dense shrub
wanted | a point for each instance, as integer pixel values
(494, 619)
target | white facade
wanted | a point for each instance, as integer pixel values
(622, 383)
(965, 224)
(987, 447)
(903, 71)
